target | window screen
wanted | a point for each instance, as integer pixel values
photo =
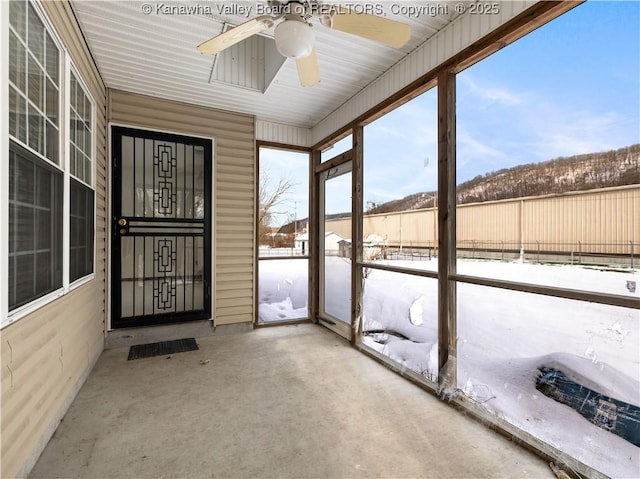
(35, 227)
(81, 231)
(80, 148)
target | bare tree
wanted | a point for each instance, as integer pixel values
(270, 195)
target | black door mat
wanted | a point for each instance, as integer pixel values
(162, 348)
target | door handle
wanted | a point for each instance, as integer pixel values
(122, 226)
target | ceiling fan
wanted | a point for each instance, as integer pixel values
(294, 35)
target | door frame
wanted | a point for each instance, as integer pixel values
(109, 233)
(341, 327)
(354, 157)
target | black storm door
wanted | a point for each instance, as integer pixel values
(161, 254)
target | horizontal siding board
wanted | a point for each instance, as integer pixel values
(234, 187)
(235, 170)
(237, 312)
(224, 303)
(230, 286)
(232, 178)
(234, 195)
(232, 233)
(233, 294)
(233, 272)
(231, 318)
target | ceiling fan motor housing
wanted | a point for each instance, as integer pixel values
(294, 37)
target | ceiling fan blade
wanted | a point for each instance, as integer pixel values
(235, 35)
(308, 70)
(383, 30)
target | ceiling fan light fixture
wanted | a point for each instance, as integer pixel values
(294, 38)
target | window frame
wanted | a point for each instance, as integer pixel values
(41, 111)
(65, 68)
(24, 158)
(69, 69)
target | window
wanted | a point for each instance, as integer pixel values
(35, 232)
(399, 229)
(81, 231)
(283, 217)
(35, 185)
(547, 154)
(79, 131)
(41, 168)
(81, 167)
(34, 87)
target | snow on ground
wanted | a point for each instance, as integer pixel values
(503, 338)
(282, 290)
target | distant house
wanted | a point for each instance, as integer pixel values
(301, 243)
(373, 247)
(331, 243)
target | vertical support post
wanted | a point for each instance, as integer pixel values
(256, 237)
(313, 230)
(579, 252)
(447, 323)
(434, 213)
(356, 233)
(521, 219)
(401, 231)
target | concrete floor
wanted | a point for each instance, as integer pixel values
(283, 402)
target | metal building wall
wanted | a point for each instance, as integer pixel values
(341, 227)
(47, 355)
(595, 221)
(408, 228)
(602, 221)
(488, 224)
(233, 191)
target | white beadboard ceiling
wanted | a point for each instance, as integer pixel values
(155, 54)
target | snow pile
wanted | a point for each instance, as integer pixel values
(283, 290)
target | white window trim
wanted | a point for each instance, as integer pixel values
(64, 68)
(66, 183)
(61, 84)
(4, 165)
